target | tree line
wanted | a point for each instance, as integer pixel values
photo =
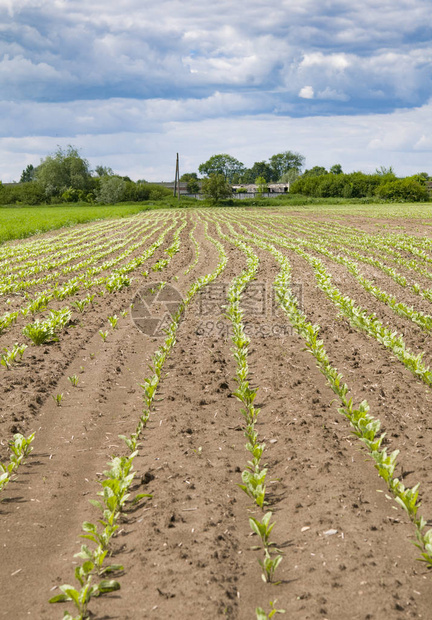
(65, 176)
(222, 171)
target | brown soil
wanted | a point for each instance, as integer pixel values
(187, 552)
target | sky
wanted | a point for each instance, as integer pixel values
(132, 82)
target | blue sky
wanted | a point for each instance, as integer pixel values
(132, 82)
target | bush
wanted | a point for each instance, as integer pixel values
(136, 192)
(216, 187)
(27, 193)
(353, 185)
(407, 190)
(192, 186)
(112, 189)
(158, 192)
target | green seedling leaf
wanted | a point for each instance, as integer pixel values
(141, 496)
(108, 586)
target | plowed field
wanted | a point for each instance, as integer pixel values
(286, 353)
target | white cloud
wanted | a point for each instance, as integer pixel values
(164, 49)
(362, 142)
(307, 92)
(337, 62)
(74, 70)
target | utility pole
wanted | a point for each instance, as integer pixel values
(177, 179)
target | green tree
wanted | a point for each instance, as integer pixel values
(261, 184)
(28, 174)
(104, 171)
(290, 176)
(189, 176)
(111, 190)
(191, 179)
(222, 164)
(382, 171)
(259, 169)
(316, 171)
(282, 162)
(192, 186)
(407, 190)
(421, 177)
(63, 170)
(215, 187)
(336, 169)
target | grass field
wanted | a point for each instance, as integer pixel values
(21, 222)
(207, 410)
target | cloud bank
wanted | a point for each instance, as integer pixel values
(134, 81)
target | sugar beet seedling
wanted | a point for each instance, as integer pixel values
(20, 448)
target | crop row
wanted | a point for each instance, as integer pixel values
(320, 243)
(376, 248)
(118, 479)
(365, 426)
(11, 285)
(48, 330)
(65, 253)
(255, 473)
(359, 318)
(20, 448)
(51, 253)
(113, 281)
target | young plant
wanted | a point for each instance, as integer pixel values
(117, 282)
(81, 597)
(58, 399)
(79, 304)
(113, 320)
(269, 566)
(40, 332)
(74, 380)
(20, 448)
(263, 528)
(103, 335)
(261, 614)
(254, 485)
(10, 357)
(97, 556)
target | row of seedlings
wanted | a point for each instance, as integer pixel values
(15, 284)
(118, 479)
(254, 475)
(421, 319)
(41, 332)
(86, 281)
(196, 248)
(377, 247)
(86, 246)
(161, 264)
(340, 244)
(359, 318)
(365, 426)
(32, 250)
